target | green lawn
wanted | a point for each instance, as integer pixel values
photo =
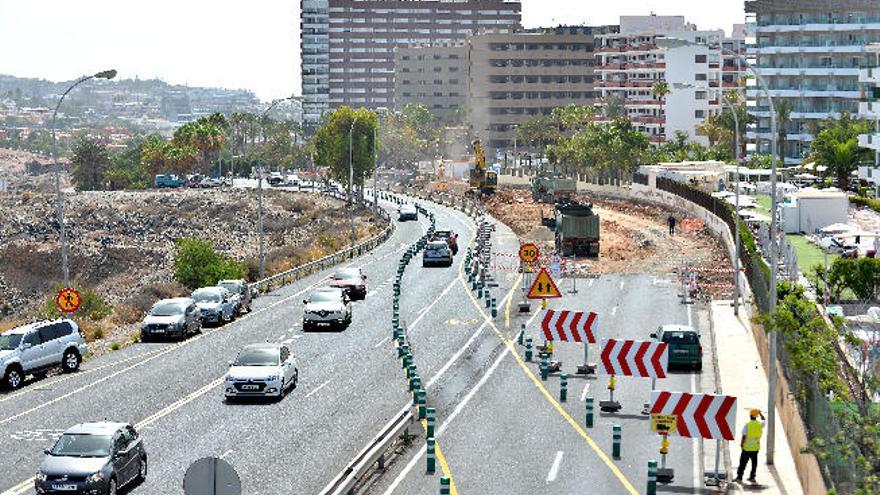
(808, 253)
(764, 204)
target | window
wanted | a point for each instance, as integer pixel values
(699, 114)
(438, 69)
(285, 353)
(453, 69)
(33, 339)
(699, 59)
(119, 443)
(699, 95)
(453, 81)
(54, 331)
(438, 81)
(700, 77)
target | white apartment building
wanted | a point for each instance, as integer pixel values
(869, 109)
(628, 63)
(315, 50)
(810, 53)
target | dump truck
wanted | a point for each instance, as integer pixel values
(577, 229)
(549, 187)
(481, 180)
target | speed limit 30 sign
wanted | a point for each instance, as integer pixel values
(528, 253)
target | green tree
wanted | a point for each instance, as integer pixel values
(401, 146)
(198, 264)
(783, 118)
(207, 135)
(126, 170)
(331, 143)
(421, 120)
(89, 164)
(614, 107)
(837, 147)
(660, 89)
(743, 117)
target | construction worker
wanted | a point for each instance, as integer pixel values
(671, 222)
(550, 348)
(750, 443)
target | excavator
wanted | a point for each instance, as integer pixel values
(481, 180)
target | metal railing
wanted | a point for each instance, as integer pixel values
(280, 279)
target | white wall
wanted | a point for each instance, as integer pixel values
(816, 213)
(681, 105)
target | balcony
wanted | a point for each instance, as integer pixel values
(870, 76)
(870, 141)
(647, 119)
(808, 71)
(847, 47)
(825, 27)
(869, 109)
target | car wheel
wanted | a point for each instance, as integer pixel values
(13, 378)
(144, 337)
(698, 367)
(226, 317)
(71, 361)
(111, 488)
(142, 472)
(282, 391)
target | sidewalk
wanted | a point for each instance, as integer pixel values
(742, 375)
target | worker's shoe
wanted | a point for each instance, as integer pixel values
(752, 480)
(738, 479)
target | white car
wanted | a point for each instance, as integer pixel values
(327, 306)
(407, 212)
(261, 370)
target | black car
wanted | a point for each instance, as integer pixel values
(98, 458)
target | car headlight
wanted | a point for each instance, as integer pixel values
(230, 378)
(272, 378)
(95, 477)
(40, 476)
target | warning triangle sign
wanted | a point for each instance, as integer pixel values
(544, 287)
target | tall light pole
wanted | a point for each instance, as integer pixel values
(771, 372)
(375, 166)
(59, 204)
(351, 180)
(260, 190)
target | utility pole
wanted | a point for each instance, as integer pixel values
(375, 166)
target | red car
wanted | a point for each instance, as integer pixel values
(352, 281)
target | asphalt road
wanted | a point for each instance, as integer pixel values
(350, 385)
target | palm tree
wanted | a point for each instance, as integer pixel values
(713, 129)
(837, 147)
(660, 89)
(783, 117)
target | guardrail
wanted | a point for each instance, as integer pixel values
(296, 273)
(374, 452)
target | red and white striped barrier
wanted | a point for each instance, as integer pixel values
(708, 416)
(635, 358)
(576, 326)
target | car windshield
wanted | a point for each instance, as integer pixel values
(230, 286)
(167, 309)
(210, 297)
(346, 274)
(9, 341)
(442, 234)
(257, 357)
(324, 296)
(79, 445)
(436, 247)
(680, 337)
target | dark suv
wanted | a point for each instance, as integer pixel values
(95, 458)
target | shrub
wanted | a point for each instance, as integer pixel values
(92, 306)
(198, 264)
(871, 203)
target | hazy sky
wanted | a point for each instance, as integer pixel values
(234, 43)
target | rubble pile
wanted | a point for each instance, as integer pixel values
(121, 241)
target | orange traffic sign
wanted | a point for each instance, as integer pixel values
(544, 287)
(68, 300)
(528, 253)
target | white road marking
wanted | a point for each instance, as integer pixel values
(690, 324)
(533, 318)
(614, 311)
(386, 339)
(554, 469)
(585, 392)
(427, 308)
(590, 283)
(371, 293)
(319, 387)
(223, 455)
(621, 284)
(416, 458)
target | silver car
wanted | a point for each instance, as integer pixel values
(36, 348)
(175, 318)
(266, 370)
(326, 307)
(241, 294)
(215, 303)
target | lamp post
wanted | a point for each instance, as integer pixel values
(260, 190)
(351, 179)
(375, 166)
(59, 202)
(665, 42)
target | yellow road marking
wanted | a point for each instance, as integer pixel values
(444, 466)
(509, 343)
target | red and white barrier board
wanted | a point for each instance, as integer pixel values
(635, 358)
(708, 416)
(576, 326)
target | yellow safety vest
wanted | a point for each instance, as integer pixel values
(753, 436)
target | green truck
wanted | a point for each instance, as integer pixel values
(550, 187)
(577, 229)
(168, 180)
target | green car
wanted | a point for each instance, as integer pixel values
(684, 345)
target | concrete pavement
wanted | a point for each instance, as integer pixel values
(743, 375)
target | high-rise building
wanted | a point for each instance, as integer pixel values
(869, 109)
(809, 52)
(352, 42)
(629, 62)
(520, 75)
(431, 75)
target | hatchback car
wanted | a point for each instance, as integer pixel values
(450, 237)
(326, 307)
(352, 281)
(215, 303)
(266, 370)
(94, 458)
(174, 318)
(36, 348)
(407, 212)
(437, 253)
(241, 294)
(683, 343)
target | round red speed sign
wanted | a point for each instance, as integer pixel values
(528, 253)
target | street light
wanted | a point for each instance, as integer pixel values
(59, 205)
(665, 42)
(351, 180)
(260, 188)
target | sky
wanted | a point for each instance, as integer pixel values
(235, 43)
